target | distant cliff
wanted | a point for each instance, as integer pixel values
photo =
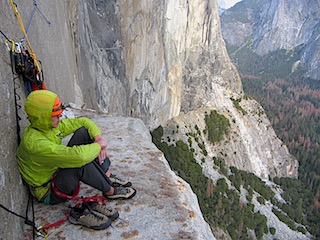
(276, 24)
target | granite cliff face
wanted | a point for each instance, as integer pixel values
(276, 24)
(158, 58)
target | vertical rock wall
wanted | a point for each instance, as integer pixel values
(172, 50)
(150, 59)
(13, 194)
(53, 48)
(96, 38)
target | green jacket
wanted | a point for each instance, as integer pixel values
(40, 153)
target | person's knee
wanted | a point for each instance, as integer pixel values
(80, 136)
(83, 132)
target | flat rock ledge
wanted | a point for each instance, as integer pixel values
(164, 207)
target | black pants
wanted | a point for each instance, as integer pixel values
(67, 179)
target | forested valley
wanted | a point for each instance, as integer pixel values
(291, 101)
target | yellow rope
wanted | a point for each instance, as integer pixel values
(32, 54)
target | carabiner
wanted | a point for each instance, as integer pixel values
(41, 232)
(10, 48)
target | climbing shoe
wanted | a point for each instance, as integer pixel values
(116, 182)
(88, 218)
(111, 213)
(122, 193)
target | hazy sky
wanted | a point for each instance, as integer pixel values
(227, 3)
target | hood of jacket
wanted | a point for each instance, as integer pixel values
(38, 107)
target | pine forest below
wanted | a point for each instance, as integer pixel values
(291, 101)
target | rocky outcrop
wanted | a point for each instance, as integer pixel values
(276, 24)
(250, 143)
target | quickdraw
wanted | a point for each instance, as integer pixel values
(43, 231)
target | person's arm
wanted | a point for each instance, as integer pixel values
(70, 125)
(61, 156)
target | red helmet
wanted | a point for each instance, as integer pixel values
(57, 107)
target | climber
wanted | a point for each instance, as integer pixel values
(52, 170)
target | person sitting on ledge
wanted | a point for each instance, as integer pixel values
(51, 169)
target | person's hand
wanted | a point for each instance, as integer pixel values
(102, 155)
(103, 152)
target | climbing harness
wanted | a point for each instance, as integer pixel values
(77, 201)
